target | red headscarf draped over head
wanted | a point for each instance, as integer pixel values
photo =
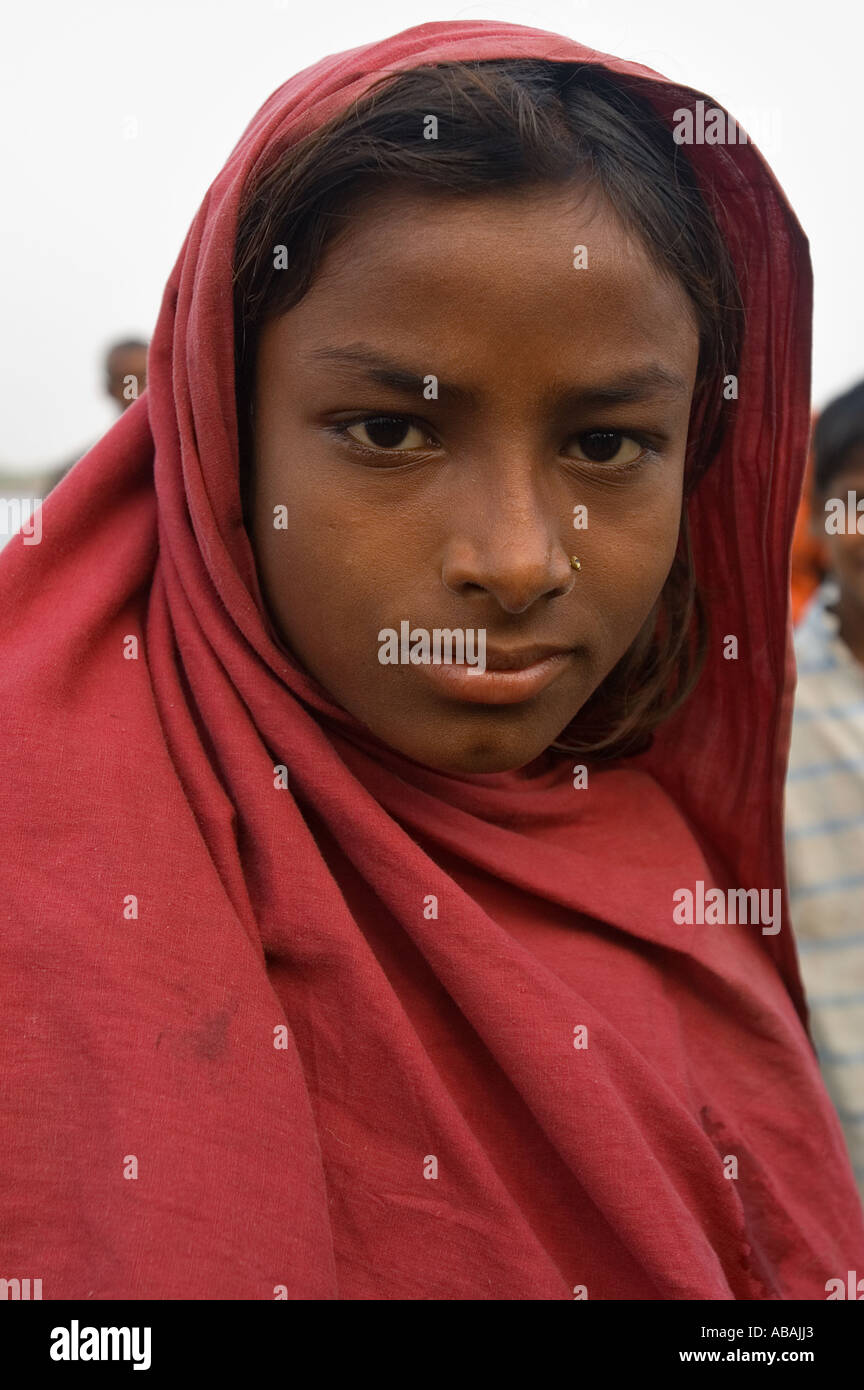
(390, 1032)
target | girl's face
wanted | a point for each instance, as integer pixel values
(559, 386)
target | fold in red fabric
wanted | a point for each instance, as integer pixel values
(289, 1075)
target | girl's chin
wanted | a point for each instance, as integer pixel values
(476, 755)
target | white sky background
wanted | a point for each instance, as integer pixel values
(93, 221)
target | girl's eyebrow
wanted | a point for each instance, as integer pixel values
(367, 361)
(637, 384)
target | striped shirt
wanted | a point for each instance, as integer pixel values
(825, 851)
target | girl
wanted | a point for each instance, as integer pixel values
(343, 972)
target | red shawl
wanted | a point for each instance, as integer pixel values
(241, 1059)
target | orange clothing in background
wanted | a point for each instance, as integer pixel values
(808, 556)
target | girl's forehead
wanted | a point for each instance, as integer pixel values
(528, 293)
(450, 252)
(483, 216)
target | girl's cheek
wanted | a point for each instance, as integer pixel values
(637, 549)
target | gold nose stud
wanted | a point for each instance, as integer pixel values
(574, 563)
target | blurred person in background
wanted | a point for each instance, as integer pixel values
(808, 554)
(825, 787)
(125, 365)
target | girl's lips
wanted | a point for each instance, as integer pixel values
(489, 687)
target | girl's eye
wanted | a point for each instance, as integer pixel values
(397, 434)
(388, 432)
(608, 446)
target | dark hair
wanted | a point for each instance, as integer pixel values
(125, 345)
(838, 430)
(510, 123)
